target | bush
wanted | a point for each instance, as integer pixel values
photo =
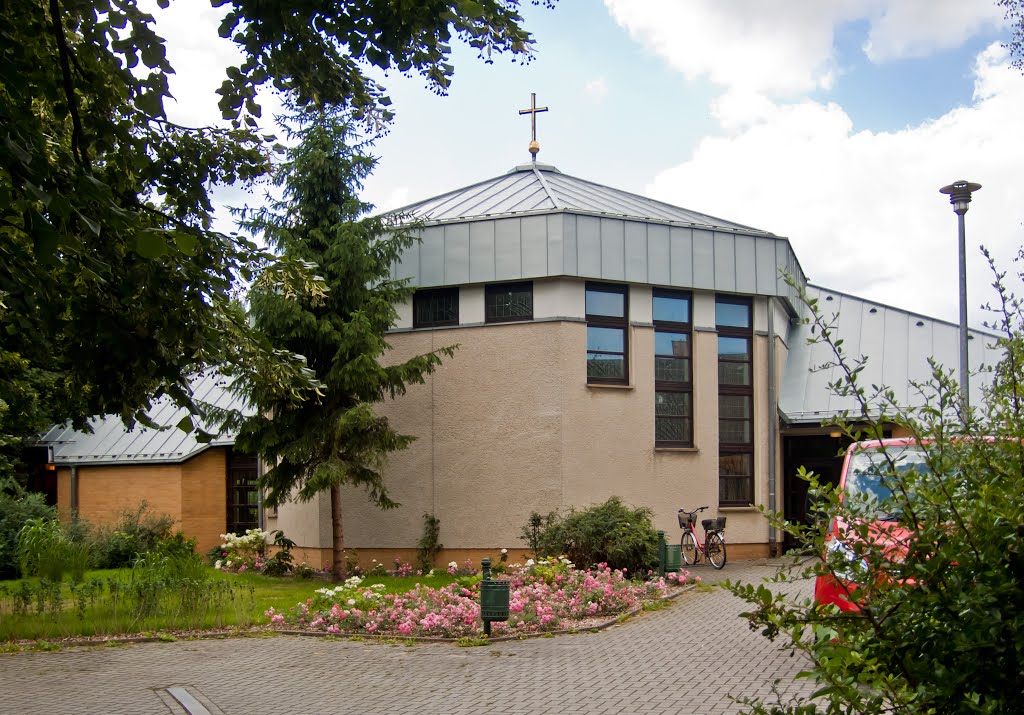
(135, 533)
(16, 508)
(611, 533)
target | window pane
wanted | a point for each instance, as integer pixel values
(675, 344)
(672, 404)
(735, 406)
(435, 307)
(509, 302)
(674, 309)
(606, 366)
(601, 302)
(672, 429)
(736, 465)
(734, 431)
(734, 348)
(668, 369)
(734, 373)
(608, 339)
(739, 490)
(732, 315)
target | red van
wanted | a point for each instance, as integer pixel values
(863, 478)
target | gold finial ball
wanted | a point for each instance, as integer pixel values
(534, 147)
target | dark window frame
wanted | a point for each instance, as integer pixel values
(685, 387)
(434, 294)
(737, 448)
(605, 321)
(241, 479)
(495, 288)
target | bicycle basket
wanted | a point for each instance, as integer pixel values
(714, 524)
(684, 519)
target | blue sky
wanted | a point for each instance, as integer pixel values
(831, 122)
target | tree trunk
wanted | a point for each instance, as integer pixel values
(338, 570)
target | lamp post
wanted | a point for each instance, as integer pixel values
(960, 196)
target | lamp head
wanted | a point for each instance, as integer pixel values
(960, 195)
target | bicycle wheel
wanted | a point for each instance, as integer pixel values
(716, 550)
(688, 548)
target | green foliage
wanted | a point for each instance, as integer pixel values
(41, 549)
(430, 543)
(114, 287)
(612, 533)
(1014, 16)
(17, 507)
(941, 628)
(136, 532)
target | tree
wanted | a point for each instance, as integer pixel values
(114, 287)
(335, 438)
(1014, 14)
(941, 624)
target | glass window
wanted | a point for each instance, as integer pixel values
(733, 320)
(607, 309)
(434, 307)
(508, 301)
(673, 369)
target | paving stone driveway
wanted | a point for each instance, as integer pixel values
(687, 658)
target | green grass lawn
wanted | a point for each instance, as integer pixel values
(227, 600)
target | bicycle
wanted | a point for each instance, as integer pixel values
(690, 546)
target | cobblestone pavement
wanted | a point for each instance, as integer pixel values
(687, 658)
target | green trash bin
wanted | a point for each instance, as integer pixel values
(673, 558)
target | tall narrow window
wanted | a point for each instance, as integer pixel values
(734, 321)
(504, 302)
(607, 347)
(243, 494)
(673, 369)
(435, 307)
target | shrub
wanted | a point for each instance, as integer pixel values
(610, 533)
(430, 543)
(16, 508)
(135, 533)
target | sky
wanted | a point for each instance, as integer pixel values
(831, 122)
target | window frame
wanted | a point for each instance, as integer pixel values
(747, 391)
(433, 293)
(605, 321)
(494, 288)
(684, 387)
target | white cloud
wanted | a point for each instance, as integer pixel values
(862, 209)
(596, 88)
(786, 47)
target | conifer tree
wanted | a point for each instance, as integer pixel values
(336, 437)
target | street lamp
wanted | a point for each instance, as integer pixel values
(960, 196)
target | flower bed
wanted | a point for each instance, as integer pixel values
(544, 596)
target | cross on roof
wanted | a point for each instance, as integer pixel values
(532, 111)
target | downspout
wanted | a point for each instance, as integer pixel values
(74, 490)
(773, 426)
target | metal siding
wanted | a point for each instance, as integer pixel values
(746, 264)
(767, 270)
(409, 263)
(535, 246)
(481, 251)
(555, 244)
(613, 246)
(681, 247)
(703, 259)
(588, 246)
(725, 262)
(432, 257)
(659, 255)
(922, 340)
(508, 252)
(636, 252)
(570, 262)
(895, 361)
(456, 253)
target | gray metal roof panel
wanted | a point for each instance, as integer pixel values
(897, 344)
(111, 442)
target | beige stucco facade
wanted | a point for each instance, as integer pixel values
(510, 426)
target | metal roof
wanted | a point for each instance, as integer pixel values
(112, 443)
(897, 344)
(541, 188)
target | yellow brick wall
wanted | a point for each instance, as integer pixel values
(204, 498)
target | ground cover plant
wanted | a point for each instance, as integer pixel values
(545, 595)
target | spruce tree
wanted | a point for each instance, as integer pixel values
(335, 437)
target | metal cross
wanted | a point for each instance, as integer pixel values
(532, 111)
